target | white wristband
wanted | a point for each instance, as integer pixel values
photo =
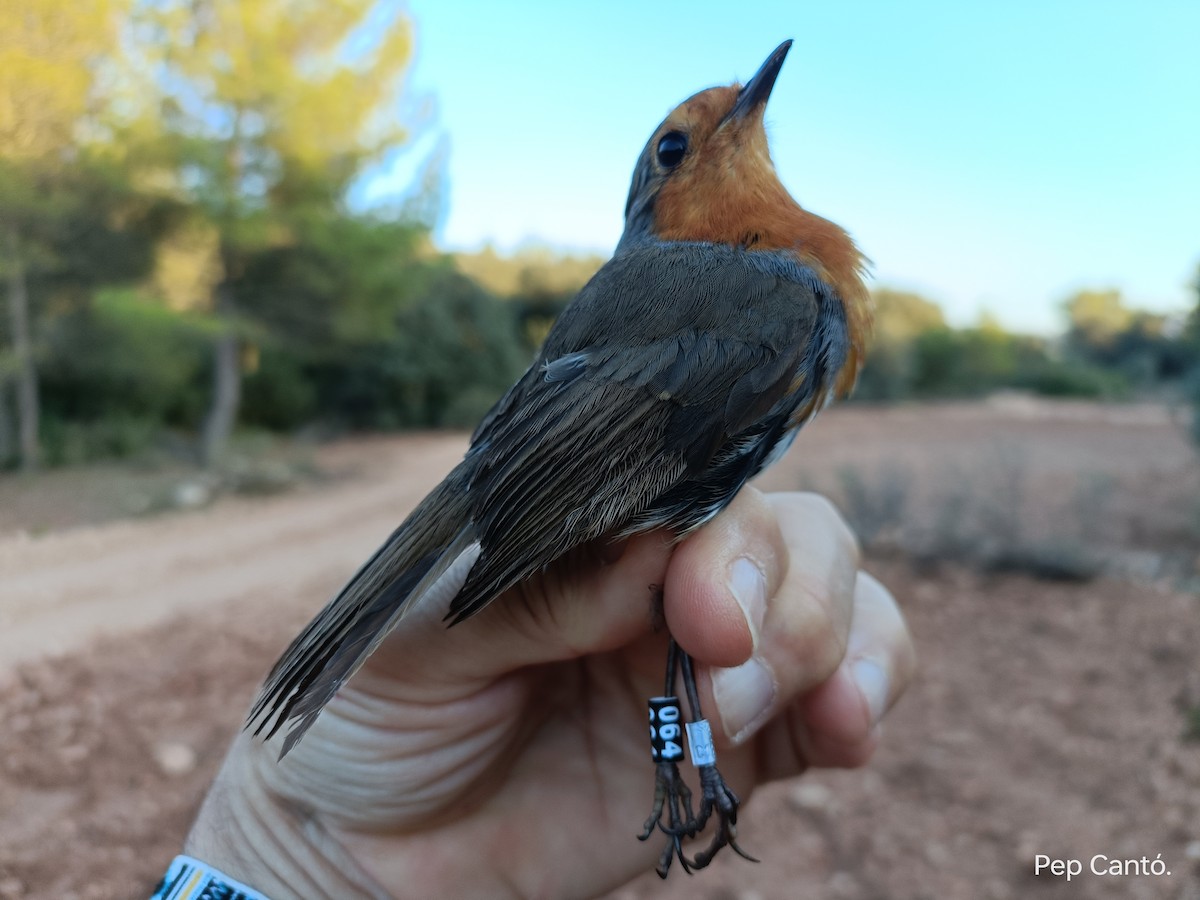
(190, 879)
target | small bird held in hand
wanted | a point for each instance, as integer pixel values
(727, 318)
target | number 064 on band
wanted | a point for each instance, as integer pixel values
(666, 734)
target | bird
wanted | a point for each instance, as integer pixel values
(726, 319)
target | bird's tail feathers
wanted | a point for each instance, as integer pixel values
(332, 647)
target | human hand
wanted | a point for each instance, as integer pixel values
(508, 756)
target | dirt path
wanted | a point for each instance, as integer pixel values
(62, 590)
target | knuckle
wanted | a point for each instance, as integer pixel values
(820, 508)
(827, 654)
(819, 643)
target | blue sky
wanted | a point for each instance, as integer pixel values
(989, 155)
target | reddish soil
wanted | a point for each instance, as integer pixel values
(1047, 718)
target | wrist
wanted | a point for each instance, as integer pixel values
(254, 836)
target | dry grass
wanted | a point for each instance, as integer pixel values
(1065, 492)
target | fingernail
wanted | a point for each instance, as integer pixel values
(872, 681)
(744, 695)
(748, 585)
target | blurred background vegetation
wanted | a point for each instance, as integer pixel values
(179, 260)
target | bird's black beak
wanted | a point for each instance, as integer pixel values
(756, 91)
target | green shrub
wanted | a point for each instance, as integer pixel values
(117, 372)
(458, 350)
(126, 357)
(279, 394)
(453, 350)
(1072, 379)
(116, 436)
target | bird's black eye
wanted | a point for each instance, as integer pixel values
(671, 149)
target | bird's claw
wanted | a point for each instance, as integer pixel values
(672, 800)
(719, 800)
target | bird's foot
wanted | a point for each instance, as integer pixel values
(672, 802)
(718, 800)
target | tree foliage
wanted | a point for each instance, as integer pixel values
(50, 53)
(900, 318)
(266, 111)
(1144, 347)
(537, 280)
(411, 341)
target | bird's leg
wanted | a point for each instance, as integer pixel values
(671, 794)
(717, 797)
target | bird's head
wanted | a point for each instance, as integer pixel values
(706, 175)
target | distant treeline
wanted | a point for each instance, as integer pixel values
(1107, 350)
(359, 324)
